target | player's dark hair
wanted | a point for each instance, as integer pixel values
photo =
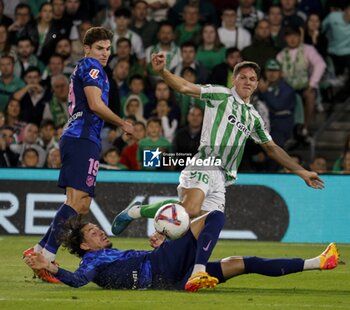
(95, 34)
(247, 64)
(72, 235)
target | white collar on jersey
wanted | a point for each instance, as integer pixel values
(238, 98)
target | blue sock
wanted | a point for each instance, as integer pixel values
(274, 267)
(43, 241)
(209, 236)
(63, 214)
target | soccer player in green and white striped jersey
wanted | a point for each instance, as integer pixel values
(229, 120)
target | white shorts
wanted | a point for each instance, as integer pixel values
(211, 182)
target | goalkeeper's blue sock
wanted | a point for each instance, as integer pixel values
(273, 267)
(207, 239)
(43, 241)
(56, 227)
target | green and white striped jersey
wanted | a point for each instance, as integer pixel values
(228, 123)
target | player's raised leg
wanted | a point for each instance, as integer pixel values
(136, 210)
(192, 202)
(192, 192)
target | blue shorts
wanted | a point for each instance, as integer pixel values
(172, 263)
(80, 162)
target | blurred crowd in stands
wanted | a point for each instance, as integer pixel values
(303, 48)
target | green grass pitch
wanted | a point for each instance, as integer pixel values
(307, 290)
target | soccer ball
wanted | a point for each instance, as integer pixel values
(172, 220)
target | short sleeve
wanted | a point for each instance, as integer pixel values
(214, 95)
(91, 73)
(259, 134)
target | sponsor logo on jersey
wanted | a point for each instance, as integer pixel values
(240, 126)
(94, 73)
(73, 118)
(135, 277)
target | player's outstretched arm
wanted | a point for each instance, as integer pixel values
(93, 95)
(279, 155)
(80, 277)
(175, 82)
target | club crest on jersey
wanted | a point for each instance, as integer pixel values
(90, 181)
(94, 73)
(240, 126)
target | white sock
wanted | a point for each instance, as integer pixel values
(50, 256)
(312, 263)
(198, 268)
(37, 248)
(135, 212)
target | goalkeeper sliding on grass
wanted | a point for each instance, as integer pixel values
(168, 266)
